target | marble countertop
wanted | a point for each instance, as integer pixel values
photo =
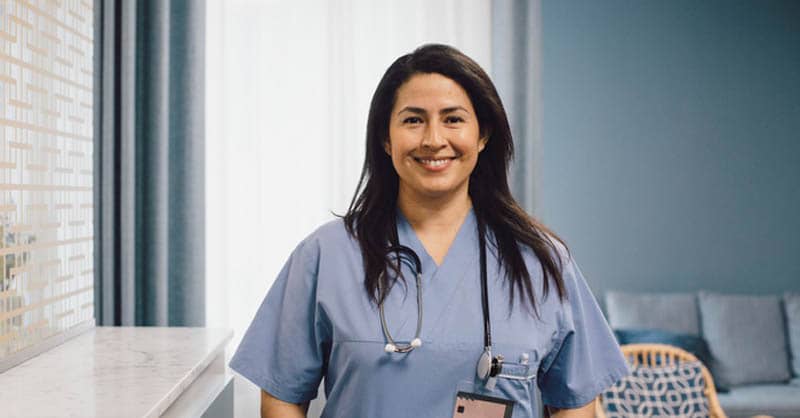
(111, 371)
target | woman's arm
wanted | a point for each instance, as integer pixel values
(586, 411)
(272, 407)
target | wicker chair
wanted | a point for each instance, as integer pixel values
(651, 354)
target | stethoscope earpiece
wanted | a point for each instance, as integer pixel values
(391, 348)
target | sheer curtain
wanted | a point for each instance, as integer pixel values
(288, 91)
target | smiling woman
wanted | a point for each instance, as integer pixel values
(433, 205)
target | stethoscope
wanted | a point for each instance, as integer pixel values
(488, 366)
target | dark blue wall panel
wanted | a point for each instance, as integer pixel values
(671, 142)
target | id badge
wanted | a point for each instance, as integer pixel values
(474, 405)
(471, 403)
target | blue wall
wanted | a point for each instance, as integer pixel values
(671, 142)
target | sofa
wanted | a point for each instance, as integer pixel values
(750, 343)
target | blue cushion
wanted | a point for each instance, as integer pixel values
(672, 391)
(791, 302)
(691, 343)
(746, 337)
(675, 312)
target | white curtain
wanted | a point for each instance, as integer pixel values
(288, 91)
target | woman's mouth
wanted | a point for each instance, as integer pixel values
(434, 164)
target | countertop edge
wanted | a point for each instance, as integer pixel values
(164, 403)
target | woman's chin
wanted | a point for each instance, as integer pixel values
(440, 192)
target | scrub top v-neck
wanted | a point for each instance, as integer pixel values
(317, 321)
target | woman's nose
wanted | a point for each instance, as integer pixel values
(433, 137)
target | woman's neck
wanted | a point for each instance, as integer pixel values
(426, 213)
(435, 220)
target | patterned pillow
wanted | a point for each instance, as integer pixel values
(671, 391)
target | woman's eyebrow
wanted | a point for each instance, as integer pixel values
(421, 111)
(452, 109)
(417, 110)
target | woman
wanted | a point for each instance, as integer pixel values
(499, 308)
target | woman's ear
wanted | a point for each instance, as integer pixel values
(387, 146)
(482, 143)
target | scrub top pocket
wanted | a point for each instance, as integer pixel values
(517, 371)
(517, 381)
(509, 386)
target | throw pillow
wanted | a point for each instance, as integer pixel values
(672, 391)
(791, 301)
(746, 337)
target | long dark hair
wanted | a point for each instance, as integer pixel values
(371, 218)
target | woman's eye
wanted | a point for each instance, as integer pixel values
(412, 120)
(454, 119)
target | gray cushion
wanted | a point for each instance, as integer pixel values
(780, 401)
(791, 302)
(745, 335)
(674, 312)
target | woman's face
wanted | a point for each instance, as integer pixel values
(434, 137)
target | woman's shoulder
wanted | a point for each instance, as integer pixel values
(333, 230)
(329, 236)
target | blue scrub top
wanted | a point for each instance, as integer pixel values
(317, 321)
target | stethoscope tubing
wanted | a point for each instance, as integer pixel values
(392, 346)
(402, 251)
(489, 366)
(487, 323)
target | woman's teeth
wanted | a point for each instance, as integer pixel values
(434, 163)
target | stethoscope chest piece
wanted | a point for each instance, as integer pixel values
(489, 367)
(485, 364)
